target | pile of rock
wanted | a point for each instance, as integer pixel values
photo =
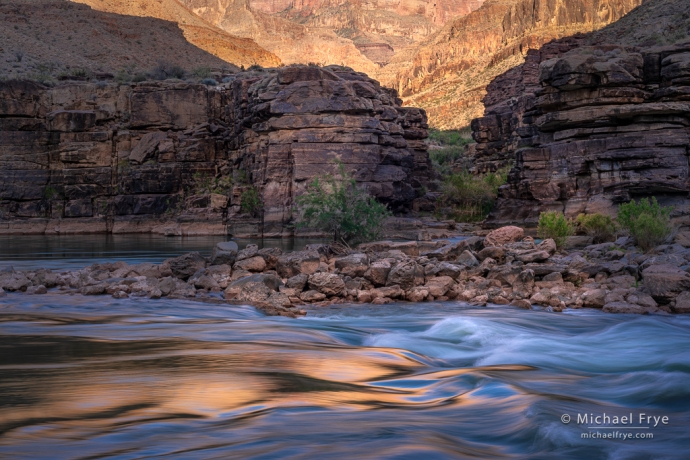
(504, 268)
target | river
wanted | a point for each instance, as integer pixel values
(97, 377)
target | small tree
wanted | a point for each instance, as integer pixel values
(250, 202)
(599, 226)
(647, 222)
(553, 224)
(338, 206)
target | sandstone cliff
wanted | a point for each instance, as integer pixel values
(448, 74)
(175, 158)
(592, 124)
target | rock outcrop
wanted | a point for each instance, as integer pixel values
(590, 125)
(176, 158)
(448, 73)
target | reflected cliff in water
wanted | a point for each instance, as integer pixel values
(84, 377)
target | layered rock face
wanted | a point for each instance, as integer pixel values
(590, 125)
(176, 158)
(610, 124)
(448, 73)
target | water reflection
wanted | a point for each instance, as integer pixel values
(88, 377)
(62, 252)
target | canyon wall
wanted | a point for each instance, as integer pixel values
(448, 73)
(590, 124)
(176, 158)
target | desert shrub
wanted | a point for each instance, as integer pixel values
(600, 227)
(553, 224)
(19, 55)
(207, 183)
(209, 82)
(250, 202)
(139, 77)
(337, 205)
(123, 76)
(166, 70)
(451, 137)
(471, 197)
(255, 67)
(201, 72)
(646, 221)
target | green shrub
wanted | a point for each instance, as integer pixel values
(166, 70)
(599, 226)
(553, 224)
(201, 72)
(250, 202)
(209, 82)
(338, 206)
(646, 221)
(471, 197)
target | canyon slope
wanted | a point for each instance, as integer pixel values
(44, 38)
(448, 74)
(595, 120)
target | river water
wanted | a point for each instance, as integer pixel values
(95, 377)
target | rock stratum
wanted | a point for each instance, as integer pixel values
(448, 73)
(594, 121)
(175, 158)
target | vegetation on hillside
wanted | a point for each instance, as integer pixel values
(647, 222)
(465, 197)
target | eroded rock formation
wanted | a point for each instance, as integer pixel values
(448, 73)
(175, 158)
(591, 124)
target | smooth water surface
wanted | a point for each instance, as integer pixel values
(95, 377)
(73, 252)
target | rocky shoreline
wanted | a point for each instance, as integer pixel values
(502, 268)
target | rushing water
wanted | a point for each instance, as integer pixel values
(95, 377)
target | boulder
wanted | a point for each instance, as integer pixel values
(254, 264)
(326, 283)
(439, 285)
(295, 263)
(406, 275)
(3, 293)
(467, 259)
(251, 250)
(14, 281)
(186, 265)
(665, 282)
(224, 253)
(270, 256)
(417, 294)
(451, 251)
(253, 291)
(312, 296)
(297, 282)
(391, 292)
(533, 256)
(682, 302)
(494, 252)
(270, 281)
(595, 298)
(378, 272)
(354, 265)
(624, 307)
(548, 245)
(444, 269)
(504, 235)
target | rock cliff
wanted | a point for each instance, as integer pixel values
(448, 73)
(591, 124)
(175, 158)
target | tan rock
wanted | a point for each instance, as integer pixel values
(504, 235)
(326, 283)
(254, 264)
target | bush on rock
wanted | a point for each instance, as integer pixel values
(647, 222)
(338, 206)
